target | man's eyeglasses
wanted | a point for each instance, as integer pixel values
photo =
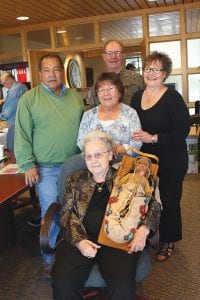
(108, 89)
(97, 155)
(115, 53)
(154, 70)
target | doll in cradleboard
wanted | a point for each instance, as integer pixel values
(128, 202)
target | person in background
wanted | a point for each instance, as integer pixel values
(113, 56)
(111, 116)
(46, 128)
(15, 90)
(81, 216)
(130, 66)
(1, 104)
(165, 125)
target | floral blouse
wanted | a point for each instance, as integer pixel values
(120, 129)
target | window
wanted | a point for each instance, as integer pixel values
(122, 29)
(10, 43)
(194, 87)
(175, 81)
(136, 61)
(172, 49)
(39, 39)
(164, 24)
(75, 35)
(193, 47)
(193, 20)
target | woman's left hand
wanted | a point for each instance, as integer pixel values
(139, 241)
(142, 136)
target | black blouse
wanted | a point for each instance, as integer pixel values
(169, 118)
(95, 212)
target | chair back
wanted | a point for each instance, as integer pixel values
(70, 166)
(10, 138)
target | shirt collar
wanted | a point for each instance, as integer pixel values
(62, 91)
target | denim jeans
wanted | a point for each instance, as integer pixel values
(47, 189)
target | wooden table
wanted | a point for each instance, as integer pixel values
(11, 186)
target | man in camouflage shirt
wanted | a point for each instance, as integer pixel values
(113, 56)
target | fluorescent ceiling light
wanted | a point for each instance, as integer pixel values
(22, 18)
(78, 38)
(61, 31)
(163, 18)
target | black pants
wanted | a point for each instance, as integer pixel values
(170, 186)
(71, 270)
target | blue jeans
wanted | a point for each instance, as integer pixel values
(47, 189)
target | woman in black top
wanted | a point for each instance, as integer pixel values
(165, 125)
(87, 194)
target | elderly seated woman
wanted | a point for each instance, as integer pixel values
(81, 216)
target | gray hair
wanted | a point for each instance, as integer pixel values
(96, 135)
(7, 75)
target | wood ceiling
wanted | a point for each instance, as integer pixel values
(42, 11)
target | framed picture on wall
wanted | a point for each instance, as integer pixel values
(74, 74)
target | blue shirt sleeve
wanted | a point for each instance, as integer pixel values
(10, 106)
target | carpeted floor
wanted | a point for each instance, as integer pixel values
(175, 279)
(178, 278)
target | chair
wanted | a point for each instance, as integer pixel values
(95, 280)
(10, 138)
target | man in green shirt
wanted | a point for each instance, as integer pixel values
(46, 129)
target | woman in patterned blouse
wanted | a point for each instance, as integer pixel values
(111, 116)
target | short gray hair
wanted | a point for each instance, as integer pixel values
(97, 135)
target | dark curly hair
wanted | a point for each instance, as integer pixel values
(163, 58)
(113, 78)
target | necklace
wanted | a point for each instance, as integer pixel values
(100, 186)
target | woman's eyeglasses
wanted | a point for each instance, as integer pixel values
(104, 89)
(154, 70)
(97, 155)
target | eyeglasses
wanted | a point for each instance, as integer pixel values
(111, 53)
(97, 155)
(104, 89)
(154, 70)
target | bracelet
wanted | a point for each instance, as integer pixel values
(153, 139)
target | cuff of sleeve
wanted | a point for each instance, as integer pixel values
(27, 166)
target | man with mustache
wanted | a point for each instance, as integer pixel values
(46, 129)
